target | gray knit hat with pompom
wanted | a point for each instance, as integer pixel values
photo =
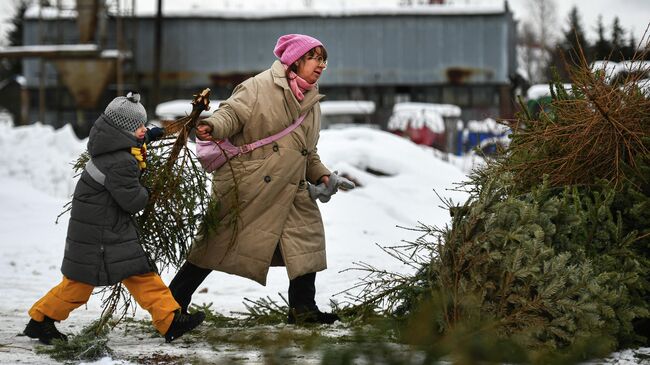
(126, 112)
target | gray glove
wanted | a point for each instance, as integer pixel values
(324, 192)
(316, 190)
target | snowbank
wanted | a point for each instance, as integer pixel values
(417, 115)
(541, 90)
(40, 156)
(613, 69)
(174, 109)
(354, 107)
(487, 125)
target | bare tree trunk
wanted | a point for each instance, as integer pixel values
(528, 44)
(542, 14)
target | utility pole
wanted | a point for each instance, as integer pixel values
(120, 47)
(41, 65)
(157, 51)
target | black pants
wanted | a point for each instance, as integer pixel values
(302, 290)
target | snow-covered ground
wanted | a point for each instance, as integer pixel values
(36, 181)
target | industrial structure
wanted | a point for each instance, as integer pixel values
(451, 54)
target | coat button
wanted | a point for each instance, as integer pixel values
(267, 178)
(301, 183)
(304, 152)
(275, 148)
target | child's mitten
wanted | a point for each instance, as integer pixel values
(154, 134)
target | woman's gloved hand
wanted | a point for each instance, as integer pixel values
(324, 192)
(316, 190)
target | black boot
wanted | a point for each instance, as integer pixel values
(182, 324)
(185, 283)
(302, 303)
(305, 315)
(45, 331)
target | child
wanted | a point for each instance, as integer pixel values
(102, 245)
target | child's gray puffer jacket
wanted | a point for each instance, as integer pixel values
(102, 246)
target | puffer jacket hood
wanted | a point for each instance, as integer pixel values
(105, 137)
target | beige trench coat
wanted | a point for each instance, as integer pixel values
(275, 210)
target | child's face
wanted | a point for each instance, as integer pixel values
(140, 132)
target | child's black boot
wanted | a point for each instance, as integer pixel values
(183, 323)
(45, 331)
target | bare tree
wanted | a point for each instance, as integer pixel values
(528, 49)
(542, 15)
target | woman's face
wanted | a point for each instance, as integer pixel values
(311, 67)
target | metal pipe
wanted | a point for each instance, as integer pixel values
(120, 46)
(59, 88)
(134, 47)
(41, 83)
(157, 51)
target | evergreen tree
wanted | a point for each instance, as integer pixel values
(15, 37)
(630, 50)
(602, 48)
(618, 41)
(10, 68)
(572, 46)
(574, 37)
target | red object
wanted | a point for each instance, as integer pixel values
(424, 136)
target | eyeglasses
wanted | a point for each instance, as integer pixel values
(319, 59)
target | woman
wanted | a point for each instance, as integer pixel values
(278, 224)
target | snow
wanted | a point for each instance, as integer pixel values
(541, 90)
(644, 86)
(61, 49)
(487, 125)
(217, 11)
(6, 117)
(613, 69)
(48, 12)
(337, 107)
(417, 115)
(40, 156)
(445, 110)
(179, 108)
(36, 181)
(54, 48)
(610, 68)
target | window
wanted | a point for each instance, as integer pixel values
(484, 96)
(457, 95)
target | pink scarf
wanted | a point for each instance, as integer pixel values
(297, 84)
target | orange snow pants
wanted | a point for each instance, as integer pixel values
(147, 289)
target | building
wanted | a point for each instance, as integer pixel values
(450, 54)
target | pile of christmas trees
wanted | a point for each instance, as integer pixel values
(551, 251)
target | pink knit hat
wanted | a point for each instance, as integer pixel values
(291, 47)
